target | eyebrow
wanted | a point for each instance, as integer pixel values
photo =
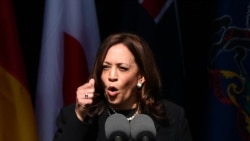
(105, 62)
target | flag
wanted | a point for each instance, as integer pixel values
(69, 44)
(157, 21)
(228, 114)
(17, 120)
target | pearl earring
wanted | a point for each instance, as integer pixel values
(139, 85)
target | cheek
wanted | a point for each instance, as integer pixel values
(128, 88)
(129, 83)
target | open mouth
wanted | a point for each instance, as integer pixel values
(112, 88)
(112, 91)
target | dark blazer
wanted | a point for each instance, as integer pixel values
(72, 129)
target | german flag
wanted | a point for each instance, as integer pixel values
(17, 120)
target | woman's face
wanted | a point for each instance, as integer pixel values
(120, 75)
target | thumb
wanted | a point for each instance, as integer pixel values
(92, 82)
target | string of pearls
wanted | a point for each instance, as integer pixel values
(128, 118)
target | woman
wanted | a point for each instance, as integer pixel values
(125, 80)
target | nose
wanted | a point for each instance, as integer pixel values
(113, 75)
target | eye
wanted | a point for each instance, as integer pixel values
(123, 68)
(104, 67)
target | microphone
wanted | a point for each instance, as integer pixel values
(117, 128)
(142, 128)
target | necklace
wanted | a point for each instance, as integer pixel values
(128, 118)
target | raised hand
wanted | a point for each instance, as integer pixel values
(84, 98)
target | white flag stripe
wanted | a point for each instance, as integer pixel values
(84, 29)
(78, 19)
(50, 71)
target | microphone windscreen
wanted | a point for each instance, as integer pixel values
(117, 125)
(142, 126)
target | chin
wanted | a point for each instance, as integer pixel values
(113, 102)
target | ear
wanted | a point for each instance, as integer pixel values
(141, 79)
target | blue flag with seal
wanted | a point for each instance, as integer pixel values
(228, 111)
